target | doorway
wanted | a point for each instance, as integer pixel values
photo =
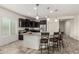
(62, 26)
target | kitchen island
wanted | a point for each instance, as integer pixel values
(32, 40)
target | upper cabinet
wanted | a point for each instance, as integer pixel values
(43, 22)
(28, 23)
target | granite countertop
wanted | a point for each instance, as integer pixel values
(32, 33)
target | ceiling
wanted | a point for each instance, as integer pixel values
(28, 9)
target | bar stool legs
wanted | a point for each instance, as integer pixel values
(45, 49)
(48, 48)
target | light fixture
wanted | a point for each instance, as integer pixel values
(48, 19)
(56, 20)
(36, 8)
(37, 17)
(51, 11)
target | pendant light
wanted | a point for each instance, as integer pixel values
(56, 20)
(47, 17)
(37, 17)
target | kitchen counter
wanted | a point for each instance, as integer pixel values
(32, 40)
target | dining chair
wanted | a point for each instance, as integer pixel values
(61, 43)
(44, 42)
(51, 44)
(55, 41)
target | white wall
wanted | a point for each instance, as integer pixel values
(52, 26)
(72, 27)
(5, 39)
(68, 27)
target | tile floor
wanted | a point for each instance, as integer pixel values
(71, 47)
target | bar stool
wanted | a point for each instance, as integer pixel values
(44, 41)
(61, 44)
(55, 41)
(51, 43)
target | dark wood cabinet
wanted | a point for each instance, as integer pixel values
(22, 22)
(28, 23)
(43, 22)
(20, 37)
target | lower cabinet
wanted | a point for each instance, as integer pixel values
(20, 37)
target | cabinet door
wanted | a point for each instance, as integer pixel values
(21, 22)
(43, 22)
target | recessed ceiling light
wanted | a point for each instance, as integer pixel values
(51, 11)
(35, 8)
(48, 19)
(37, 17)
(56, 20)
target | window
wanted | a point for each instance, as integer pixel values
(7, 26)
